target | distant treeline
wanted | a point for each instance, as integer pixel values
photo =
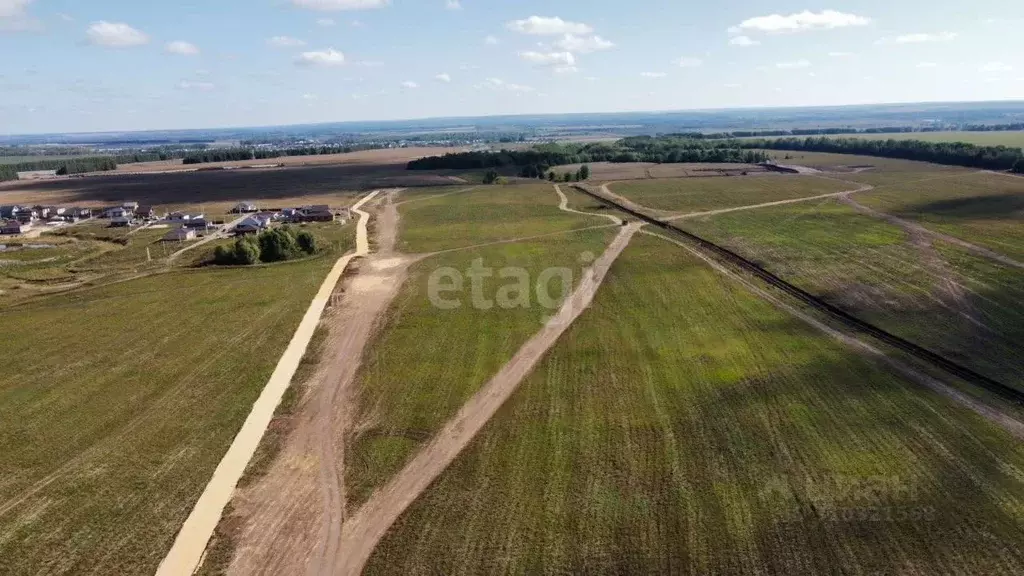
(63, 166)
(238, 154)
(665, 149)
(951, 153)
(840, 131)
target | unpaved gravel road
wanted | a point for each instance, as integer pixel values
(190, 544)
(367, 526)
(564, 206)
(291, 518)
(863, 188)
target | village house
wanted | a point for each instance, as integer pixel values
(145, 213)
(197, 223)
(316, 213)
(10, 212)
(117, 212)
(12, 227)
(120, 222)
(244, 208)
(251, 225)
(180, 235)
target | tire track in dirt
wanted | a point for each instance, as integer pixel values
(998, 417)
(916, 229)
(186, 553)
(367, 526)
(862, 188)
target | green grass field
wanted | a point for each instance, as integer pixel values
(426, 362)
(117, 403)
(486, 214)
(985, 209)
(964, 307)
(702, 194)
(683, 425)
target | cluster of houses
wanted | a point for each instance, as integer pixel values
(16, 219)
(261, 220)
(187, 225)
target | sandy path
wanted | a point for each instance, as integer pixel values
(629, 203)
(187, 551)
(1009, 423)
(914, 228)
(367, 526)
(291, 519)
(564, 206)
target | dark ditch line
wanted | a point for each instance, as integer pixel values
(847, 319)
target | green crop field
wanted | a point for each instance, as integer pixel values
(117, 402)
(701, 194)
(959, 305)
(683, 425)
(487, 214)
(983, 208)
(408, 388)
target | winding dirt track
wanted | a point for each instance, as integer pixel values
(863, 188)
(367, 526)
(187, 551)
(564, 206)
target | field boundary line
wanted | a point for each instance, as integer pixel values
(514, 240)
(190, 544)
(849, 320)
(1006, 421)
(435, 196)
(364, 529)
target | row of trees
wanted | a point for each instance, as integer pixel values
(536, 161)
(848, 130)
(277, 245)
(63, 166)
(1018, 168)
(951, 153)
(237, 154)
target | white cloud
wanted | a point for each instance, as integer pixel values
(800, 22)
(547, 26)
(285, 42)
(339, 5)
(733, 85)
(927, 65)
(453, 5)
(802, 63)
(653, 74)
(840, 54)
(182, 48)
(499, 84)
(64, 16)
(583, 44)
(491, 40)
(743, 41)
(115, 35)
(15, 18)
(557, 59)
(310, 97)
(357, 24)
(443, 77)
(689, 62)
(369, 64)
(919, 38)
(410, 84)
(996, 68)
(199, 86)
(325, 22)
(328, 57)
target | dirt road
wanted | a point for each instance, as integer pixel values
(564, 206)
(367, 526)
(187, 551)
(221, 232)
(291, 519)
(863, 188)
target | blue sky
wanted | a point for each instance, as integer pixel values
(71, 65)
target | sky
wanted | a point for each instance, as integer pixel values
(114, 65)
